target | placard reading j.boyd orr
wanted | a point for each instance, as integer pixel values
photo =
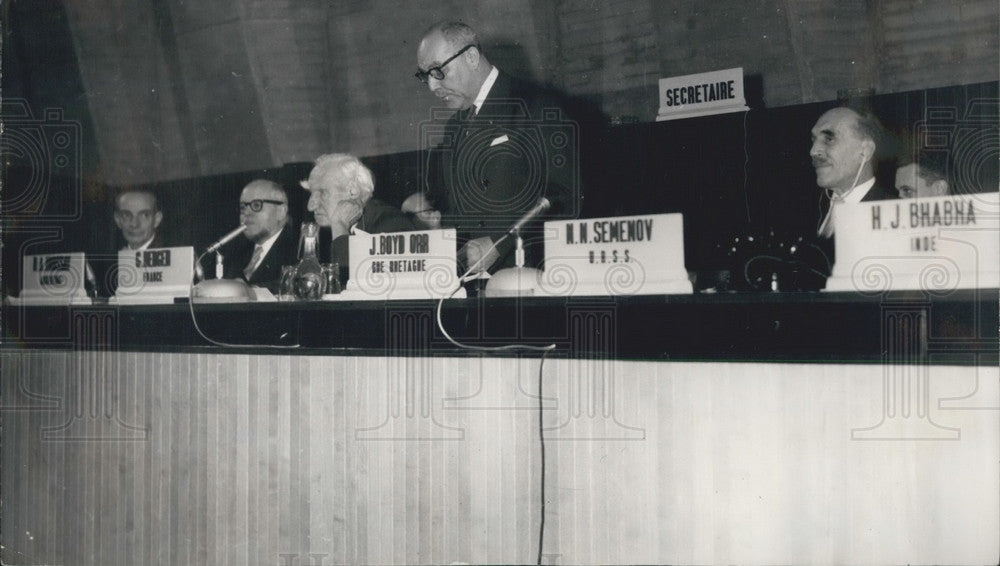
(932, 244)
(402, 265)
(626, 255)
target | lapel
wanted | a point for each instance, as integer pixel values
(266, 263)
(824, 208)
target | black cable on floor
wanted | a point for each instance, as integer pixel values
(541, 444)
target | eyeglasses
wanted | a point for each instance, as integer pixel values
(438, 72)
(258, 203)
(126, 216)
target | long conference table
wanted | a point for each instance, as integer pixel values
(709, 428)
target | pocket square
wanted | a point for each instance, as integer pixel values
(499, 140)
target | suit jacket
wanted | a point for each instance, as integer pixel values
(268, 273)
(495, 165)
(376, 218)
(877, 192)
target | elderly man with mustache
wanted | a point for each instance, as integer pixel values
(844, 145)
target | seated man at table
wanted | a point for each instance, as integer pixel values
(341, 189)
(925, 176)
(137, 216)
(845, 143)
(270, 240)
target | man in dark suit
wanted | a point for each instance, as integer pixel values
(137, 216)
(341, 189)
(509, 145)
(845, 144)
(270, 239)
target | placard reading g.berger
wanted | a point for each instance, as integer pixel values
(932, 244)
(625, 255)
(153, 276)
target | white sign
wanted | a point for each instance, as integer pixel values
(402, 265)
(54, 279)
(627, 255)
(931, 244)
(716, 92)
(154, 276)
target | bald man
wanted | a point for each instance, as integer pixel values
(844, 147)
(270, 240)
(508, 145)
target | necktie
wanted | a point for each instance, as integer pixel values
(826, 227)
(249, 269)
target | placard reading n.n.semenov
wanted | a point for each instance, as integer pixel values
(627, 255)
(402, 265)
(932, 244)
(702, 94)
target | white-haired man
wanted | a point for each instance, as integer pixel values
(341, 189)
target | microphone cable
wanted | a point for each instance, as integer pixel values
(194, 320)
(541, 365)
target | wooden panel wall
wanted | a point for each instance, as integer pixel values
(179, 90)
(236, 459)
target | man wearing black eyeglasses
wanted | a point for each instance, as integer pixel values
(509, 145)
(270, 239)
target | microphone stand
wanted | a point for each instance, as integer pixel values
(515, 281)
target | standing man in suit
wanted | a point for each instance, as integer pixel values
(844, 147)
(509, 145)
(270, 239)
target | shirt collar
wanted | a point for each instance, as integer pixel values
(485, 89)
(857, 193)
(143, 246)
(265, 246)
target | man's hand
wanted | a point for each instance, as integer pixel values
(474, 250)
(347, 213)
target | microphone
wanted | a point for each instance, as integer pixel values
(542, 206)
(225, 239)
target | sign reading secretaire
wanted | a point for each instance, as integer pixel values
(702, 94)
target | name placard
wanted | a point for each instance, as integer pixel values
(402, 265)
(54, 279)
(627, 255)
(701, 94)
(154, 276)
(933, 244)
